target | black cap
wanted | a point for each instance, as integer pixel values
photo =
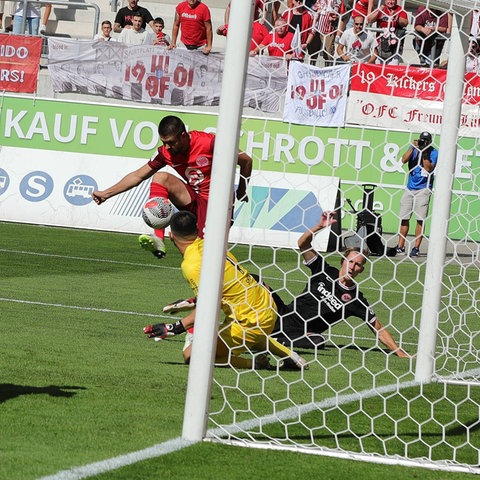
(426, 137)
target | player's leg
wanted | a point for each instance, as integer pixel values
(420, 208)
(165, 185)
(406, 210)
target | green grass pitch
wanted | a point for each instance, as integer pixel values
(80, 383)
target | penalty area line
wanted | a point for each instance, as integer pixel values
(86, 471)
(77, 307)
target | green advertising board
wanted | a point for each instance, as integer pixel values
(356, 155)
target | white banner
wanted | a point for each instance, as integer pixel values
(316, 96)
(55, 188)
(153, 74)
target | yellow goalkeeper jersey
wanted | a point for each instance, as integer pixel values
(243, 298)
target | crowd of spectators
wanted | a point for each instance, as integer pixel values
(320, 32)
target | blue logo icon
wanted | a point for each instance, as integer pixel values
(36, 186)
(4, 181)
(78, 190)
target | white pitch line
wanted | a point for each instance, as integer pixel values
(76, 307)
(103, 466)
(86, 471)
(100, 260)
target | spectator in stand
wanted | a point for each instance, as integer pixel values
(124, 17)
(259, 31)
(6, 11)
(160, 38)
(392, 19)
(473, 57)
(46, 16)
(475, 23)
(32, 19)
(135, 35)
(328, 24)
(259, 11)
(356, 45)
(105, 36)
(360, 7)
(193, 18)
(298, 17)
(278, 42)
(430, 29)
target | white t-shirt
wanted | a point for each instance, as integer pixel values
(359, 47)
(99, 36)
(33, 10)
(133, 37)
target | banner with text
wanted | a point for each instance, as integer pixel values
(316, 96)
(19, 63)
(377, 96)
(153, 74)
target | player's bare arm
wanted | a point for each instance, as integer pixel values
(245, 163)
(305, 241)
(385, 337)
(126, 183)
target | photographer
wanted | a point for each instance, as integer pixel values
(421, 158)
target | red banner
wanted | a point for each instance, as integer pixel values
(19, 63)
(410, 82)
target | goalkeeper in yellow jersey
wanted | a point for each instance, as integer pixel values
(250, 311)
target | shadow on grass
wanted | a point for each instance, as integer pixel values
(10, 390)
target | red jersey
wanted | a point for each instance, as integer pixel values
(259, 30)
(257, 9)
(195, 166)
(192, 23)
(389, 18)
(278, 46)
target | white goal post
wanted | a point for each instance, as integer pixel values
(355, 401)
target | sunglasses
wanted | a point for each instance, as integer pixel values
(359, 24)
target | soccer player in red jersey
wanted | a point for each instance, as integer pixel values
(190, 155)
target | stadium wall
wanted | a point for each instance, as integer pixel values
(54, 153)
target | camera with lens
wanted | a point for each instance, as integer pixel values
(424, 140)
(422, 143)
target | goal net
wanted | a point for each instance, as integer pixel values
(357, 399)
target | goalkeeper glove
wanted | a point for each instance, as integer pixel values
(164, 330)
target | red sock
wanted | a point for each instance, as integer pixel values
(158, 190)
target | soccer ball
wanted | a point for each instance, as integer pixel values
(157, 212)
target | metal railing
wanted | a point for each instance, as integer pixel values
(95, 7)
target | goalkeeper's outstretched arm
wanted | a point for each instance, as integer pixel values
(385, 337)
(164, 330)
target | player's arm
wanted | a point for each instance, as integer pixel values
(209, 32)
(164, 330)
(126, 183)
(175, 28)
(385, 337)
(305, 241)
(245, 163)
